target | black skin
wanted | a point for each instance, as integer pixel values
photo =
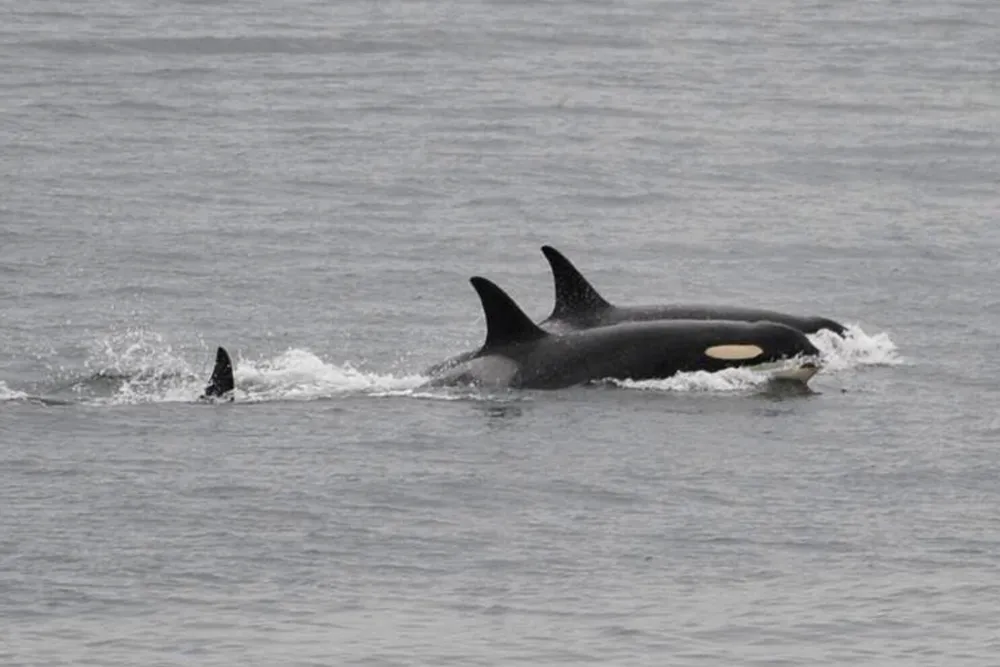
(645, 351)
(621, 314)
(636, 350)
(221, 384)
(578, 305)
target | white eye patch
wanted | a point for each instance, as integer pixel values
(734, 352)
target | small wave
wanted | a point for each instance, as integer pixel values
(8, 394)
(856, 348)
(301, 375)
(724, 381)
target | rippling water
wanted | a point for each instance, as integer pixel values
(312, 184)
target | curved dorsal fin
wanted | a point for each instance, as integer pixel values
(222, 380)
(574, 293)
(506, 323)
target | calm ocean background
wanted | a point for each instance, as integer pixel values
(312, 184)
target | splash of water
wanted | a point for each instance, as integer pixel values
(135, 352)
(301, 375)
(8, 394)
(855, 349)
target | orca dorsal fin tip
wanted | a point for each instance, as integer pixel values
(574, 295)
(506, 322)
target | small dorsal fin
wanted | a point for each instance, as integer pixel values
(222, 380)
(506, 323)
(574, 293)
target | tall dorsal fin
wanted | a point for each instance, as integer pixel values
(574, 293)
(506, 323)
(222, 380)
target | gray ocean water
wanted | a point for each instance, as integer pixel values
(312, 184)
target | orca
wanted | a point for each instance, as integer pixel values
(222, 383)
(578, 305)
(519, 354)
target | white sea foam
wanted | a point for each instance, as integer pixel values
(855, 349)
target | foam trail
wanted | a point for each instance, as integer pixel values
(138, 366)
(301, 375)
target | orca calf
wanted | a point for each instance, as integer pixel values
(519, 354)
(579, 306)
(222, 383)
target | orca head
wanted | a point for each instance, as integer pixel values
(781, 341)
(763, 343)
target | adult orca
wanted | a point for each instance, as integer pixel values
(222, 383)
(579, 306)
(519, 354)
